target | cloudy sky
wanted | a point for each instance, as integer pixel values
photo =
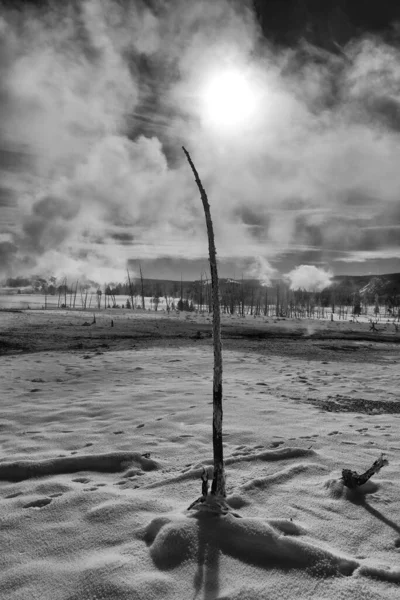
(291, 116)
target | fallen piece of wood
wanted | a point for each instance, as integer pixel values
(372, 326)
(352, 479)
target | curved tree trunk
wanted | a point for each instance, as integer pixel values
(218, 484)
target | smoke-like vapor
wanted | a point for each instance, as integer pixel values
(309, 278)
(97, 97)
(261, 269)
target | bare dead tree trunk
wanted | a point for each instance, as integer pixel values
(218, 484)
(242, 297)
(141, 281)
(76, 291)
(277, 300)
(130, 290)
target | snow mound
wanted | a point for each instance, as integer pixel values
(281, 476)
(177, 540)
(111, 462)
(337, 489)
(267, 455)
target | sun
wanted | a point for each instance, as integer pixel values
(229, 100)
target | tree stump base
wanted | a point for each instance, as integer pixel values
(210, 502)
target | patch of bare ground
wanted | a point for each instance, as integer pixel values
(55, 330)
(341, 403)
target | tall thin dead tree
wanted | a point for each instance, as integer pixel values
(218, 484)
(59, 296)
(142, 286)
(130, 290)
(76, 291)
(201, 293)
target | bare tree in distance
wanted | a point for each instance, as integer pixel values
(130, 290)
(142, 286)
(218, 483)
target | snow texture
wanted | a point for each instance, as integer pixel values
(100, 459)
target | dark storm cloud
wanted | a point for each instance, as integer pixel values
(49, 224)
(123, 238)
(12, 159)
(50, 208)
(7, 197)
(7, 252)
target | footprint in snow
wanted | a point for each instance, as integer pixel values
(133, 473)
(14, 495)
(38, 503)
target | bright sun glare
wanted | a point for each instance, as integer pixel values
(229, 100)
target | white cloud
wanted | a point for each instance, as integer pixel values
(311, 171)
(364, 256)
(309, 278)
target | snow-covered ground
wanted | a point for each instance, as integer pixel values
(26, 301)
(39, 301)
(101, 455)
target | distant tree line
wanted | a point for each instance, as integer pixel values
(243, 297)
